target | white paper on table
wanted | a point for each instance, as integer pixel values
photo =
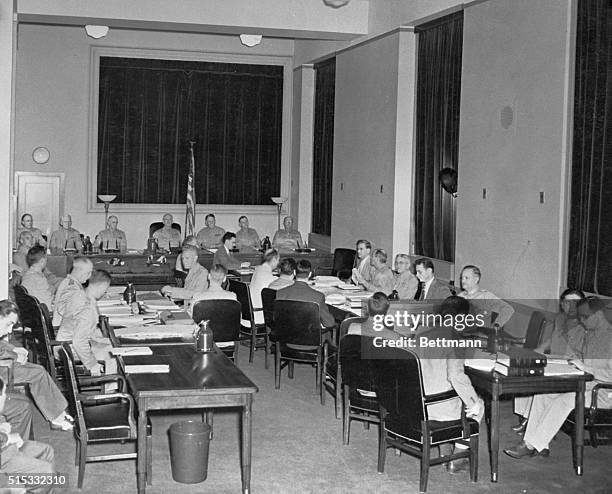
(118, 320)
(482, 364)
(111, 302)
(349, 287)
(147, 369)
(565, 369)
(132, 350)
(224, 344)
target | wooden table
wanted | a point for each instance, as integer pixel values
(497, 385)
(137, 270)
(195, 380)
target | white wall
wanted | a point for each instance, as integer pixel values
(52, 109)
(364, 143)
(514, 54)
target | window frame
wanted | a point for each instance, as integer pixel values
(92, 157)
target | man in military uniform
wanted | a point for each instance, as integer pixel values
(27, 225)
(288, 238)
(26, 242)
(112, 238)
(167, 236)
(71, 286)
(65, 238)
(210, 236)
(246, 238)
(80, 325)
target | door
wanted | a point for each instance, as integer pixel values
(41, 195)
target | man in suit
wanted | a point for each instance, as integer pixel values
(431, 288)
(224, 255)
(302, 292)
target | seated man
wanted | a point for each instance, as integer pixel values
(262, 277)
(196, 280)
(43, 389)
(18, 413)
(26, 242)
(27, 225)
(286, 277)
(431, 288)
(302, 292)
(216, 278)
(287, 238)
(224, 254)
(247, 238)
(80, 325)
(549, 411)
(167, 237)
(362, 264)
(71, 286)
(22, 457)
(210, 237)
(382, 276)
(112, 238)
(406, 284)
(378, 306)
(189, 240)
(66, 238)
(37, 280)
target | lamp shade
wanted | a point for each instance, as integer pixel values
(279, 200)
(107, 197)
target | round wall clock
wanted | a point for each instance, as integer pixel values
(41, 155)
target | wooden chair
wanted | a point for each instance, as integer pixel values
(357, 378)
(268, 296)
(224, 317)
(597, 421)
(332, 379)
(101, 418)
(257, 334)
(297, 337)
(158, 225)
(404, 420)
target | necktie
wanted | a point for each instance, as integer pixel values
(422, 289)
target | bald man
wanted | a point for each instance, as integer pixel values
(167, 237)
(71, 286)
(26, 242)
(287, 238)
(66, 238)
(112, 237)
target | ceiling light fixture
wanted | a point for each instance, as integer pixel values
(336, 4)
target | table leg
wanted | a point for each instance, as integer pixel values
(141, 462)
(579, 430)
(494, 432)
(246, 444)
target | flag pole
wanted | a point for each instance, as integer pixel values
(190, 205)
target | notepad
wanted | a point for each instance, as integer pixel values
(147, 369)
(132, 350)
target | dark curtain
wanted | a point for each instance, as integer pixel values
(437, 133)
(149, 110)
(590, 238)
(323, 146)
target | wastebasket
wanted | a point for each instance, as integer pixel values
(189, 442)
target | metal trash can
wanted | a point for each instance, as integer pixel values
(189, 442)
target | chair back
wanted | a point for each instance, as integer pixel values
(344, 259)
(72, 387)
(268, 296)
(297, 322)
(399, 388)
(158, 225)
(535, 328)
(357, 372)
(224, 317)
(241, 289)
(32, 316)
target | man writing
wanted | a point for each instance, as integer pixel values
(224, 254)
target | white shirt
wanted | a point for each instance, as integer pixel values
(262, 277)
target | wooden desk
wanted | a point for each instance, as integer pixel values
(153, 276)
(195, 380)
(497, 385)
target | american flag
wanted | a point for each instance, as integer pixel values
(191, 198)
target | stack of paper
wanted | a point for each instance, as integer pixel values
(147, 369)
(348, 286)
(126, 320)
(161, 305)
